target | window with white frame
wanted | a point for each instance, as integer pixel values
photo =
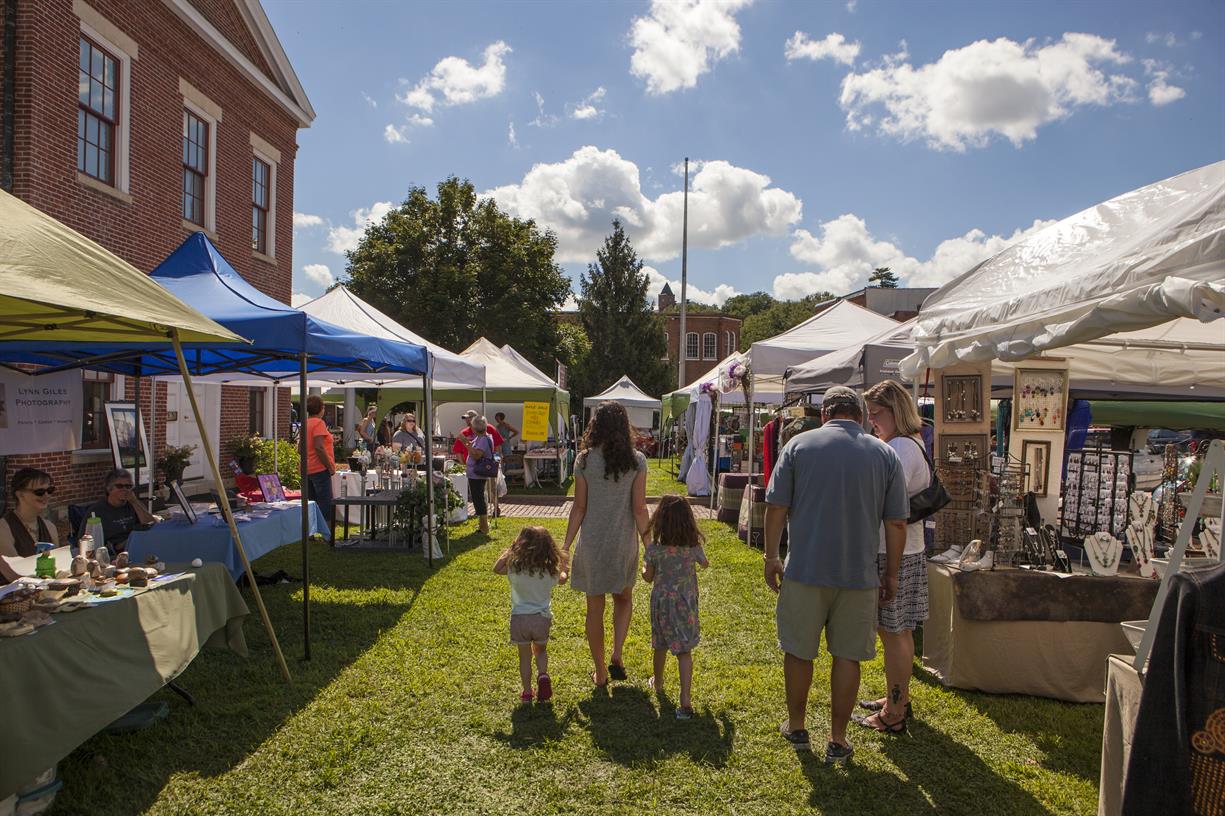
(103, 97)
(199, 154)
(710, 346)
(667, 343)
(691, 345)
(264, 162)
(97, 392)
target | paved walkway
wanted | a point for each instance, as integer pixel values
(559, 507)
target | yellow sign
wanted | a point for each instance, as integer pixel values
(535, 421)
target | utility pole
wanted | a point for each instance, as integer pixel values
(683, 344)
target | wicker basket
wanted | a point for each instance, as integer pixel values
(17, 603)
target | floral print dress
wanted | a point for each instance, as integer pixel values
(674, 597)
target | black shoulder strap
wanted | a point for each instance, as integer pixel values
(923, 448)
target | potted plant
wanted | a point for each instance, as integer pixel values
(246, 452)
(174, 461)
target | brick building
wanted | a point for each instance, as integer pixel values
(708, 337)
(185, 119)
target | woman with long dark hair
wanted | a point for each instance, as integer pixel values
(609, 516)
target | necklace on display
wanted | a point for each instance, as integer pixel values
(1103, 549)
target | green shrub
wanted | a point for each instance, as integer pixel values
(288, 463)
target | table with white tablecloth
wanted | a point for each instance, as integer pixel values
(533, 459)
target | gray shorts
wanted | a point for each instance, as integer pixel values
(532, 628)
(848, 617)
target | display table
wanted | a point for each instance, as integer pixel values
(533, 459)
(67, 681)
(1123, 689)
(1044, 636)
(377, 509)
(209, 539)
(350, 483)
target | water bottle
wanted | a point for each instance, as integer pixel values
(93, 528)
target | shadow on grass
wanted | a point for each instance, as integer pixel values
(941, 776)
(626, 727)
(355, 599)
(533, 726)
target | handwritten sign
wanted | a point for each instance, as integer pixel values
(535, 421)
(40, 414)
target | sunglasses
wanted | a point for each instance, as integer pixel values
(122, 485)
(42, 491)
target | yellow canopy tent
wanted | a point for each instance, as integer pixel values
(56, 285)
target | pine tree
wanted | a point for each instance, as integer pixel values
(883, 278)
(626, 335)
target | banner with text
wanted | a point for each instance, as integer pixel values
(40, 414)
(535, 421)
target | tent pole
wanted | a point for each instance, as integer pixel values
(276, 440)
(225, 508)
(306, 520)
(429, 462)
(752, 422)
(714, 460)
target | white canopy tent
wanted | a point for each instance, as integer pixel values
(640, 405)
(674, 403)
(1138, 260)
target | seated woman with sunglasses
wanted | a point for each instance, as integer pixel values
(120, 511)
(24, 526)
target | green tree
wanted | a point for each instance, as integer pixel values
(626, 335)
(572, 347)
(456, 267)
(744, 306)
(780, 317)
(883, 278)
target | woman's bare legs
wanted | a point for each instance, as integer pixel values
(595, 636)
(623, 610)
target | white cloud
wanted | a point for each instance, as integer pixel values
(986, 89)
(298, 298)
(1160, 91)
(542, 120)
(851, 5)
(344, 239)
(570, 304)
(680, 39)
(1168, 38)
(579, 197)
(396, 135)
(455, 81)
(716, 297)
(511, 138)
(306, 221)
(369, 100)
(847, 253)
(319, 274)
(1195, 35)
(588, 108)
(834, 47)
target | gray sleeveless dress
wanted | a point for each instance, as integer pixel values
(606, 554)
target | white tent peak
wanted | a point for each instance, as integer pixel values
(525, 363)
(625, 392)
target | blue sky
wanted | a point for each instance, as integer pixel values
(824, 138)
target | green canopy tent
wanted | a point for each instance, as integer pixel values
(1177, 416)
(58, 287)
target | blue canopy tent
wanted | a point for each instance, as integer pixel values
(284, 342)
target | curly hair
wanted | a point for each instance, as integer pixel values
(673, 524)
(609, 430)
(534, 552)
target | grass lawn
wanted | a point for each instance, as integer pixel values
(659, 482)
(410, 706)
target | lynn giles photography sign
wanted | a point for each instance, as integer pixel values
(40, 414)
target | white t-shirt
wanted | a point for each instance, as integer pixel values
(530, 593)
(918, 477)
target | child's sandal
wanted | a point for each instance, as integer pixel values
(525, 697)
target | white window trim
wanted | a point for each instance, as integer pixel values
(210, 179)
(705, 346)
(92, 26)
(270, 156)
(698, 343)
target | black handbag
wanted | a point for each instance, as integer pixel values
(932, 498)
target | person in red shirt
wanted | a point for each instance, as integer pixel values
(463, 441)
(320, 461)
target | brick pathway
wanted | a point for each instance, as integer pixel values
(559, 507)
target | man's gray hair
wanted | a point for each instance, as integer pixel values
(114, 476)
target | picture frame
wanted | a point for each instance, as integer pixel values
(962, 398)
(1040, 399)
(964, 448)
(188, 510)
(270, 486)
(129, 445)
(1036, 455)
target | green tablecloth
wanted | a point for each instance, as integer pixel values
(68, 681)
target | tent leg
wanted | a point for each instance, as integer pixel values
(429, 464)
(752, 421)
(276, 439)
(227, 511)
(714, 459)
(306, 521)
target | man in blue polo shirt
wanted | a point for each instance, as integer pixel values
(832, 487)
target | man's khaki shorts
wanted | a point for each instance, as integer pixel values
(532, 628)
(848, 617)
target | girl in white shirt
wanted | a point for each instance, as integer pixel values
(533, 565)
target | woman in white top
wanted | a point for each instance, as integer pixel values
(895, 418)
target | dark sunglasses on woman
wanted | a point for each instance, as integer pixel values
(42, 491)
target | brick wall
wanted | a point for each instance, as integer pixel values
(146, 225)
(700, 323)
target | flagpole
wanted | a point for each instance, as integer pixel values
(682, 343)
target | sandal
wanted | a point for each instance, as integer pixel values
(597, 683)
(882, 725)
(874, 705)
(525, 697)
(617, 672)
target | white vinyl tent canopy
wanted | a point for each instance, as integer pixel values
(1138, 260)
(640, 405)
(674, 403)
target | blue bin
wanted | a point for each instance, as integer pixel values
(725, 464)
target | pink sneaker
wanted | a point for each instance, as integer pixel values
(544, 686)
(526, 697)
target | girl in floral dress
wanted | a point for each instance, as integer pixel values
(670, 566)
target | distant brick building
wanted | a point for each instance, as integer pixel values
(708, 337)
(185, 119)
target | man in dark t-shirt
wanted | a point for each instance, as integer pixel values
(119, 511)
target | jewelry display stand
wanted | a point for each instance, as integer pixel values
(961, 520)
(1169, 511)
(1103, 551)
(1141, 531)
(1002, 496)
(1095, 493)
(961, 450)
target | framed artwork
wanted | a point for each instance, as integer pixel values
(270, 486)
(962, 398)
(124, 432)
(964, 448)
(188, 510)
(1036, 454)
(1039, 399)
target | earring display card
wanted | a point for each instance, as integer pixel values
(1095, 493)
(963, 398)
(967, 448)
(1039, 399)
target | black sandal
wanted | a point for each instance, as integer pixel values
(617, 672)
(872, 705)
(881, 725)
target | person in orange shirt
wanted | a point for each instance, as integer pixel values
(320, 461)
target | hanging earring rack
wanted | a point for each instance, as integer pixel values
(1095, 493)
